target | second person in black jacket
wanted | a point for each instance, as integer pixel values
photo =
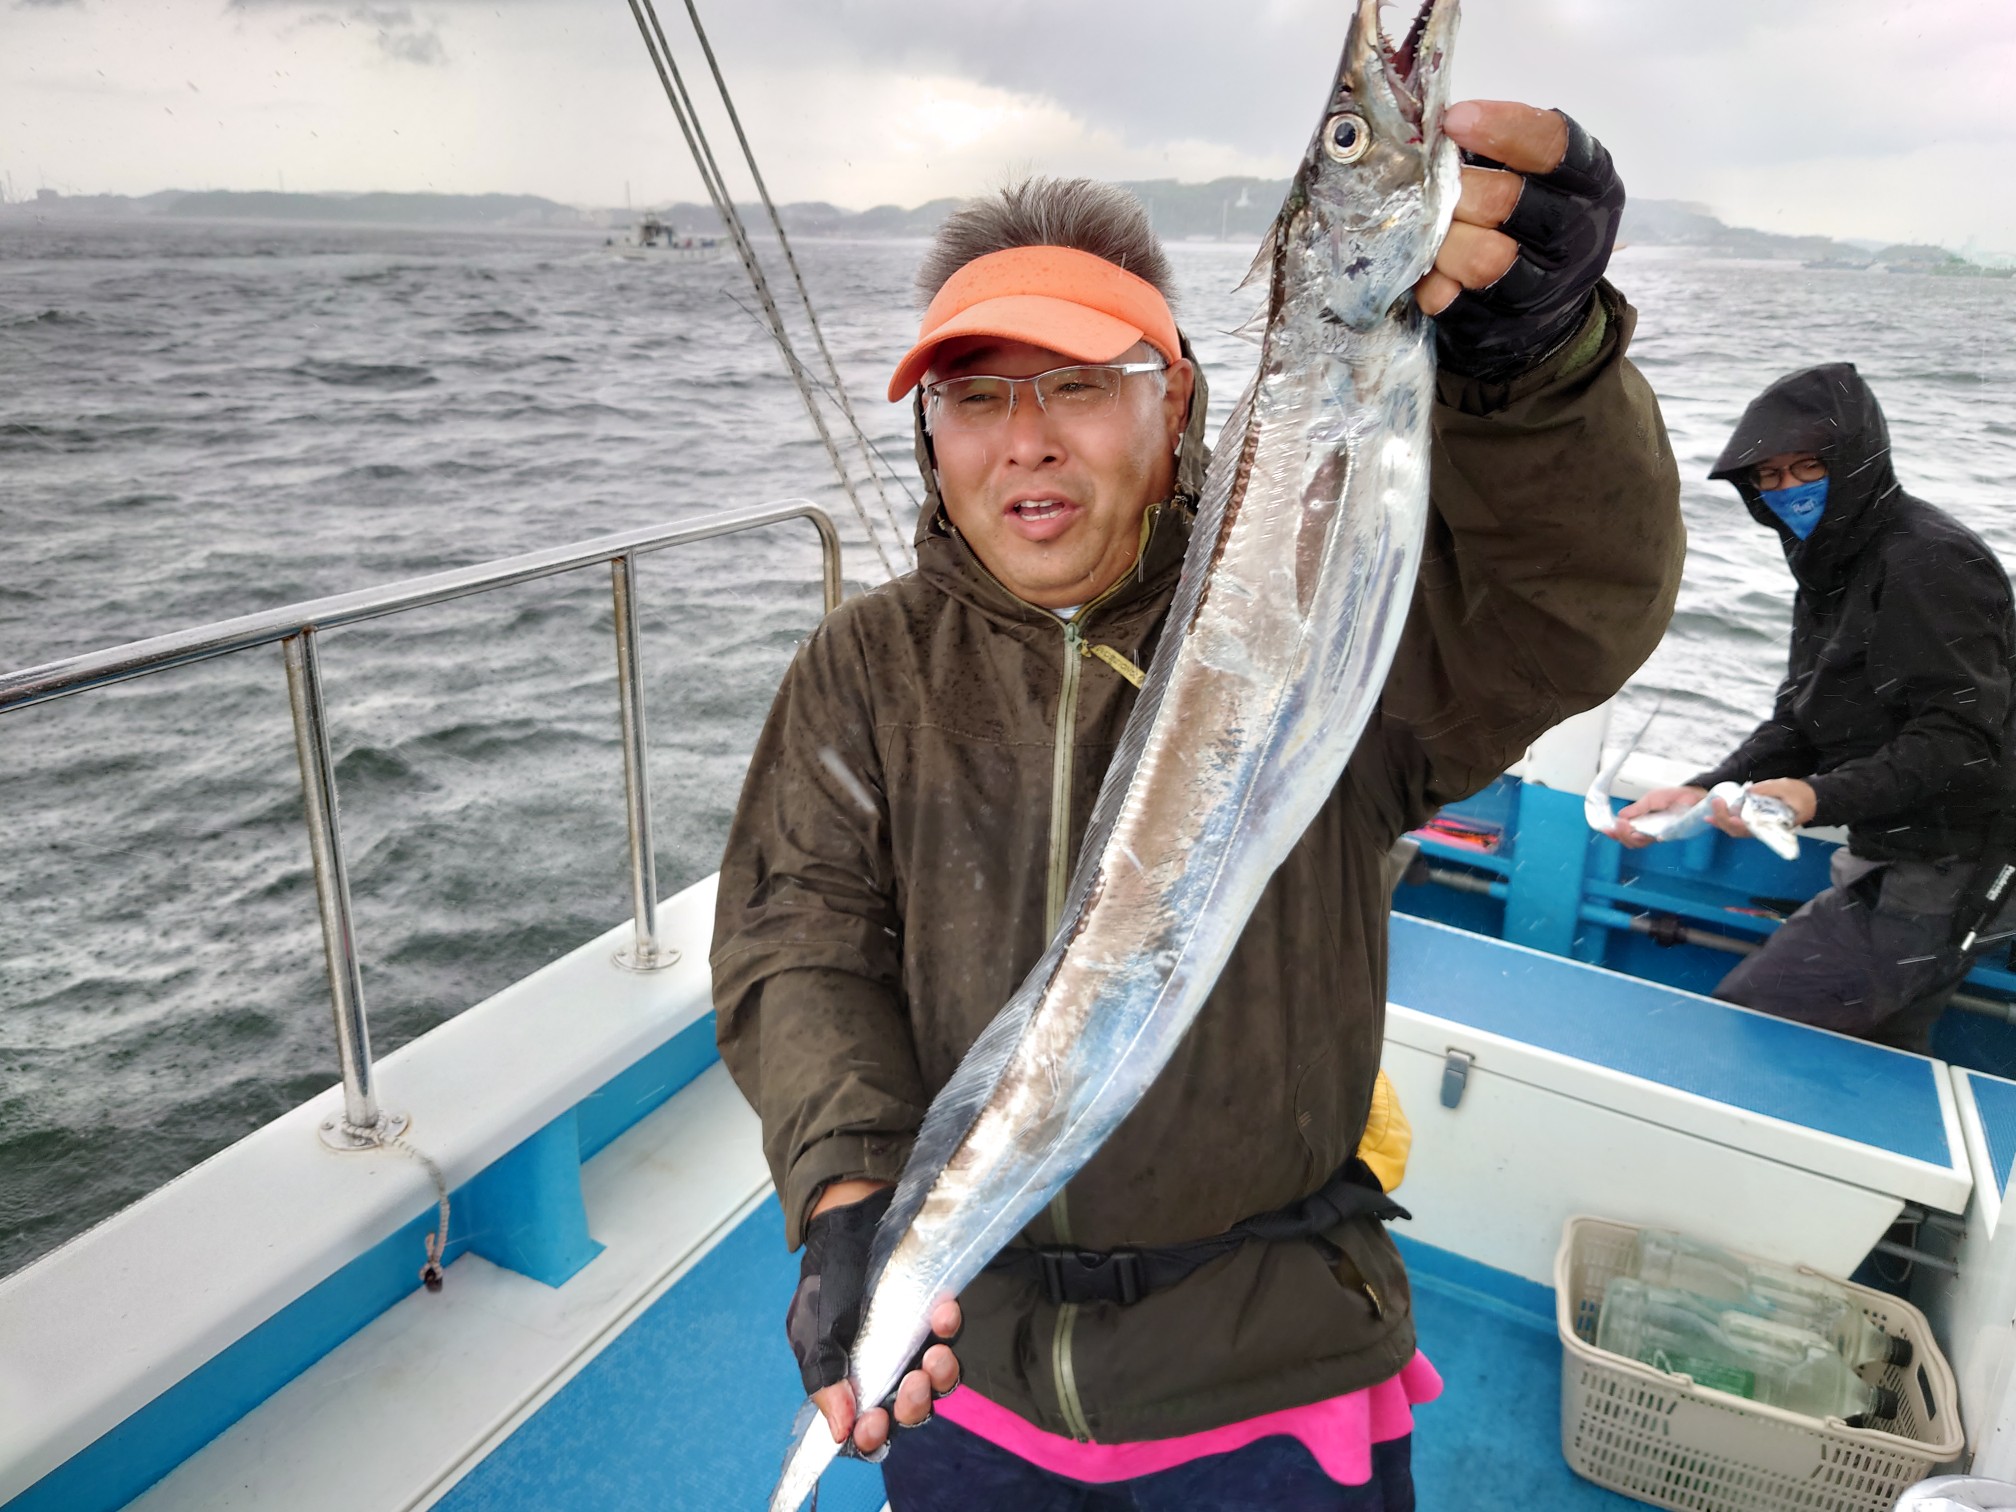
(1894, 719)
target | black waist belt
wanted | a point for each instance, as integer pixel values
(1126, 1276)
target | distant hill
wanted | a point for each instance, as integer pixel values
(472, 210)
(1227, 209)
(378, 209)
(1676, 223)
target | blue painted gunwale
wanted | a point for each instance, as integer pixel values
(189, 1413)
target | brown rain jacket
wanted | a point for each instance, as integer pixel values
(916, 802)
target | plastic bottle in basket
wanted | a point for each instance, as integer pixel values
(1661, 1257)
(1737, 1352)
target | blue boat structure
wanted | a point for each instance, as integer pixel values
(606, 1328)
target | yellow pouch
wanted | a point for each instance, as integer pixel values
(1387, 1137)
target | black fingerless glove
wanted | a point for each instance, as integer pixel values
(1565, 224)
(825, 1311)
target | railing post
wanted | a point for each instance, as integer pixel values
(829, 558)
(645, 953)
(363, 1125)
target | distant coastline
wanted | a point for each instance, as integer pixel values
(1229, 209)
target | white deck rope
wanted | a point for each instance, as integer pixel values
(433, 1273)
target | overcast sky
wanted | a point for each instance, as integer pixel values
(1858, 118)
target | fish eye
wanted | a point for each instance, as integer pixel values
(1347, 138)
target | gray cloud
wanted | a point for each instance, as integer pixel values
(398, 33)
(1849, 116)
(1725, 78)
(402, 36)
(1783, 82)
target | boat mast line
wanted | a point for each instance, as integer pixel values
(791, 357)
(838, 392)
(710, 175)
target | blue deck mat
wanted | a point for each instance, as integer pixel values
(1493, 1438)
(1996, 1100)
(1862, 1092)
(688, 1410)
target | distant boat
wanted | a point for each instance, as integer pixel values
(1839, 264)
(660, 241)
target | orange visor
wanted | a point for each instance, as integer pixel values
(1083, 306)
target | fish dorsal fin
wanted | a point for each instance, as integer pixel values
(1254, 330)
(1263, 259)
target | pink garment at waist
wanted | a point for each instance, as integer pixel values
(1339, 1432)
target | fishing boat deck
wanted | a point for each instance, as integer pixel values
(688, 1409)
(642, 1363)
(689, 1403)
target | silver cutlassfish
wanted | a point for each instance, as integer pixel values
(1769, 820)
(1300, 571)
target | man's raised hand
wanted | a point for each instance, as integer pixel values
(1534, 226)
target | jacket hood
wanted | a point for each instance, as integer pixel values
(1830, 412)
(943, 557)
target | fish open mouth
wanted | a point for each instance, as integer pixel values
(1411, 62)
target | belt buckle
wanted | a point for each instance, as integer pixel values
(1075, 1275)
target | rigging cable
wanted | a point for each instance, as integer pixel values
(689, 126)
(785, 351)
(838, 392)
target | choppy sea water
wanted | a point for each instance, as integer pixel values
(199, 421)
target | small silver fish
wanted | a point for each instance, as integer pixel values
(1294, 592)
(1769, 820)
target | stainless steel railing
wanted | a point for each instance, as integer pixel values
(298, 627)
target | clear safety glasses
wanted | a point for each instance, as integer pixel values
(981, 401)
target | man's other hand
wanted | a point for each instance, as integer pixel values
(913, 1396)
(1534, 226)
(1795, 793)
(1655, 802)
(826, 1312)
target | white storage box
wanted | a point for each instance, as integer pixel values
(1664, 1440)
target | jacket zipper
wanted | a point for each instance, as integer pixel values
(1076, 649)
(1060, 778)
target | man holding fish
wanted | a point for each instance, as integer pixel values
(1210, 1314)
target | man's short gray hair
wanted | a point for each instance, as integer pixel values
(1102, 219)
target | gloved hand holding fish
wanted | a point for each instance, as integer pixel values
(1682, 813)
(1768, 819)
(1294, 592)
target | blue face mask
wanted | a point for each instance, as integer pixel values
(1799, 506)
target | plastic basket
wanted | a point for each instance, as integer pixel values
(1664, 1440)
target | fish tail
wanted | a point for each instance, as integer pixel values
(1596, 802)
(812, 1450)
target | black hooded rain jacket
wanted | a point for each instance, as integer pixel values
(1896, 705)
